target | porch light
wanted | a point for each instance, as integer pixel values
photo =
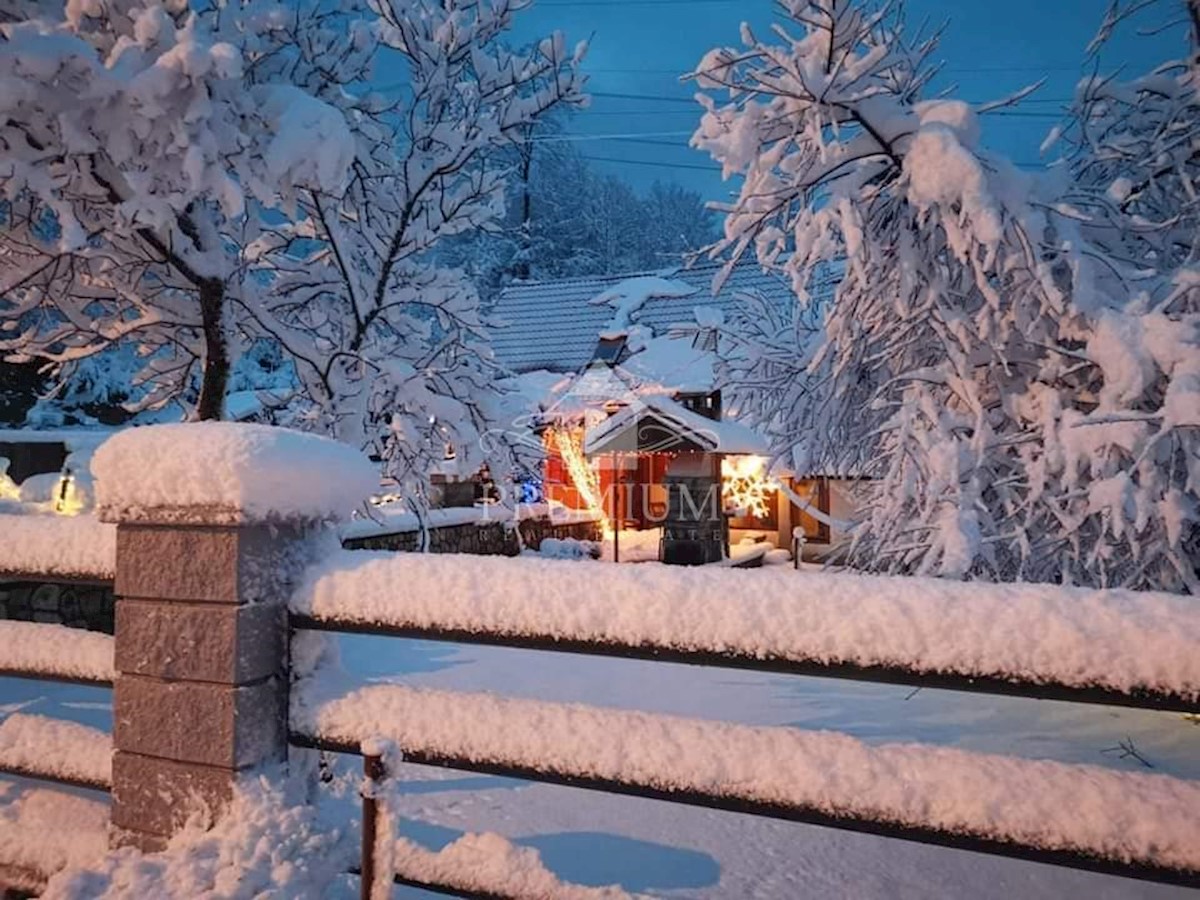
(67, 501)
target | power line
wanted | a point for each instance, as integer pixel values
(684, 69)
(660, 99)
(553, 3)
(648, 162)
(714, 168)
(627, 135)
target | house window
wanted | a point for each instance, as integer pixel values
(609, 350)
(707, 405)
(705, 339)
(815, 491)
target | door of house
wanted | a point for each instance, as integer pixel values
(816, 492)
(647, 493)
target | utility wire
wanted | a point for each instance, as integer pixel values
(659, 98)
(647, 162)
(627, 135)
(715, 166)
(607, 3)
(684, 69)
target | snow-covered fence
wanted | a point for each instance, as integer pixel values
(212, 577)
(1141, 826)
(42, 747)
(205, 546)
(1115, 647)
(57, 548)
(47, 749)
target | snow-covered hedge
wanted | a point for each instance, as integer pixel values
(1119, 640)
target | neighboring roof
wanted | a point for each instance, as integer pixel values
(74, 438)
(241, 406)
(553, 325)
(667, 365)
(626, 430)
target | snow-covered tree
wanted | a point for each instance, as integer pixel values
(677, 220)
(953, 362)
(1125, 452)
(581, 223)
(139, 140)
(389, 344)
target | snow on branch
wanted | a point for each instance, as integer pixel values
(389, 343)
(42, 746)
(1119, 640)
(55, 651)
(1140, 818)
(57, 546)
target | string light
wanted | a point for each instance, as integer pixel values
(569, 442)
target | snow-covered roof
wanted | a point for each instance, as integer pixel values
(554, 325)
(73, 438)
(626, 430)
(241, 406)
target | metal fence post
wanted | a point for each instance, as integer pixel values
(374, 774)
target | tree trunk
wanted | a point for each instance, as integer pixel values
(216, 350)
(522, 268)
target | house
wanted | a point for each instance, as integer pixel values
(617, 375)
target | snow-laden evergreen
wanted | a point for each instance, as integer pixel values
(1026, 408)
(566, 220)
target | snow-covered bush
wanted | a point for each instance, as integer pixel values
(971, 358)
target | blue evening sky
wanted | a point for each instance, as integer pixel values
(989, 49)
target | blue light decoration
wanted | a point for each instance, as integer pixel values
(530, 489)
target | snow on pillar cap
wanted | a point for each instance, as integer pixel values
(224, 473)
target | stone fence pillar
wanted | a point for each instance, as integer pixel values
(215, 522)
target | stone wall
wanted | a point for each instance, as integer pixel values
(76, 605)
(484, 539)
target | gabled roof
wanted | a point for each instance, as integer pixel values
(553, 325)
(669, 426)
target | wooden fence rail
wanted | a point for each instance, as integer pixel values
(1010, 686)
(37, 773)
